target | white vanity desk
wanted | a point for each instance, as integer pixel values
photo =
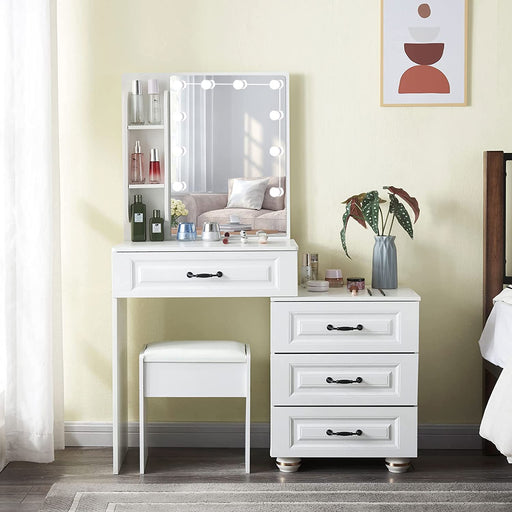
(159, 269)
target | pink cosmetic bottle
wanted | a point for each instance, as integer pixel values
(154, 167)
(137, 165)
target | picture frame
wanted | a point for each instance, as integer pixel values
(424, 52)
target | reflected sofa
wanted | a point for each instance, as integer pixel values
(212, 208)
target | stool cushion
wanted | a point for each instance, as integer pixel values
(195, 352)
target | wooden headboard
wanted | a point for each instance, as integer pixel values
(494, 252)
(494, 225)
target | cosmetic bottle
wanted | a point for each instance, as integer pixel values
(137, 175)
(156, 227)
(154, 167)
(155, 109)
(314, 267)
(136, 107)
(309, 269)
(138, 219)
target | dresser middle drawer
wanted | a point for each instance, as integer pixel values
(344, 379)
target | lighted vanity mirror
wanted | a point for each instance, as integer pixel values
(229, 150)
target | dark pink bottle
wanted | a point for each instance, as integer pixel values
(154, 167)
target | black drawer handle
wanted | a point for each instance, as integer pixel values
(344, 434)
(330, 380)
(202, 276)
(358, 327)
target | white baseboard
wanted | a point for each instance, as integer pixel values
(231, 435)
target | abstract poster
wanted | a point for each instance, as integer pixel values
(423, 52)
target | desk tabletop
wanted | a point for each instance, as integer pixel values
(234, 245)
(343, 295)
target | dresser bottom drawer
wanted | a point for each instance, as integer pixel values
(344, 432)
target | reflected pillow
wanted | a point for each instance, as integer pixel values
(247, 193)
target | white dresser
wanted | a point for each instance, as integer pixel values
(344, 373)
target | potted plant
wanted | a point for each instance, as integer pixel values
(366, 208)
(177, 210)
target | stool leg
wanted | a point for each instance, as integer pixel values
(248, 412)
(143, 449)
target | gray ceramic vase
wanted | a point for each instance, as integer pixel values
(384, 271)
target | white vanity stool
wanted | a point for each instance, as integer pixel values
(194, 369)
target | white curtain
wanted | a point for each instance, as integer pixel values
(31, 425)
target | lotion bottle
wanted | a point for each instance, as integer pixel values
(155, 109)
(138, 219)
(136, 106)
(156, 227)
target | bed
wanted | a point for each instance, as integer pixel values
(494, 277)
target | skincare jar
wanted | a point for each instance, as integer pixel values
(186, 231)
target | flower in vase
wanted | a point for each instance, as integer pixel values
(177, 210)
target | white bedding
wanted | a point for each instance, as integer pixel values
(496, 346)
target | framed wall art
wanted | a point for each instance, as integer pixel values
(423, 52)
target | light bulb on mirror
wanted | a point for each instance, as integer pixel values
(177, 84)
(276, 115)
(179, 186)
(275, 84)
(275, 151)
(239, 84)
(276, 191)
(207, 84)
(179, 116)
(179, 150)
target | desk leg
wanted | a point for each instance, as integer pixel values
(119, 383)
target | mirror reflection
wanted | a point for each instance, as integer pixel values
(229, 150)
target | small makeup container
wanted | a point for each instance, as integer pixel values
(317, 286)
(186, 231)
(355, 283)
(211, 232)
(334, 277)
(262, 237)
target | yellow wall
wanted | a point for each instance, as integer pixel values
(342, 142)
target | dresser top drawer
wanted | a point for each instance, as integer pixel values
(344, 327)
(204, 274)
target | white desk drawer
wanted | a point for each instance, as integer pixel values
(384, 432)
(310, 379)
(324, 326)
(242, 274)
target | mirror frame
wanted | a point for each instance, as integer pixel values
(200, 77)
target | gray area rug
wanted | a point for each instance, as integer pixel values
(300, 497)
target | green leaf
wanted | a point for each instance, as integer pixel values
(401, 214)
(370, 208)
(411, 201)
(343, 231)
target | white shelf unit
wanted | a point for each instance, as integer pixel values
(154, 195)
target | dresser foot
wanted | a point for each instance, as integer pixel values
(398, 465)
(288, 464)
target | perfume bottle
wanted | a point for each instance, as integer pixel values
(155, 110)
(138, 219)
(309, 269)
(154, 167)
(156, 227)
(137, 175)
(136, 107)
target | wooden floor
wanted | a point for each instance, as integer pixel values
(23, 486)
